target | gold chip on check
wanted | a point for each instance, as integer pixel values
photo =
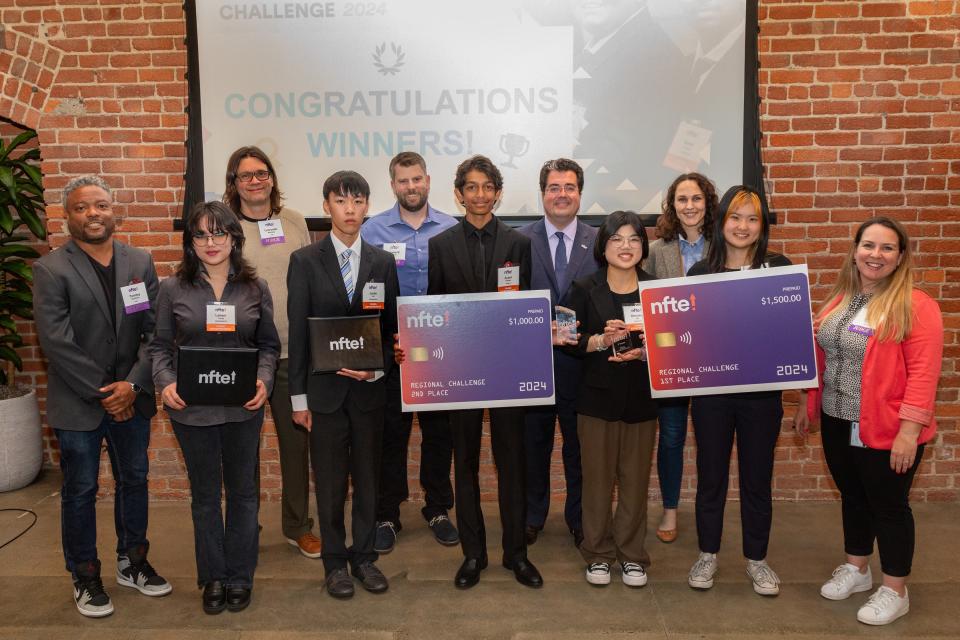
(419, 354)
(666, 339)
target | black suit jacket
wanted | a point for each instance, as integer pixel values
(315, 290)
(449, 268)
(590, 297)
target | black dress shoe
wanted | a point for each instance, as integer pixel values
(530, 533)
(577, 537)
(238, 598)
(525, 572)
(339, 583)
(469, 573)
(371, 578)
(214, 597)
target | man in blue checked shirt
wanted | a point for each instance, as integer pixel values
(404, 231)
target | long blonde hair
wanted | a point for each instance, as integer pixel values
(889, 311)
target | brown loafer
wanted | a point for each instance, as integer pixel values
(308, 544)
(666, 535)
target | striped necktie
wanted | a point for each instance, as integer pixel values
(345, 273)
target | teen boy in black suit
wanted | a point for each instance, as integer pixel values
(472, 257)
(344, 410)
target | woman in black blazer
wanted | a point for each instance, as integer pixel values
(617, 419)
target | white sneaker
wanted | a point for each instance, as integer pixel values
(633, 574)
(598, 573)
(846, 581)
(883, 607)
(765, 580)
(702, 571)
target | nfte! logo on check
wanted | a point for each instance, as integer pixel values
(427, 319)
(669, 304)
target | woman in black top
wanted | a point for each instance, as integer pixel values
(220, 443)
(617, 419)
(740, 242)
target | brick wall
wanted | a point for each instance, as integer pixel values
(861, 111)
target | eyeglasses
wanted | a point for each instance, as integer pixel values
(218, 237)
(247, 176)
(633, 241)
(555, 189)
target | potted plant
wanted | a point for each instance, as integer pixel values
(21, 203)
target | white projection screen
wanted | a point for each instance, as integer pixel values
(636, 91)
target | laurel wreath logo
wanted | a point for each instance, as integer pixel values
(391, 66)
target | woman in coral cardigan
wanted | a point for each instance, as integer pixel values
(879, 347)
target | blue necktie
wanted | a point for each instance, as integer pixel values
(560, 260)
(345, 272)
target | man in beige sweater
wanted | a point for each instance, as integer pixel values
(272, 233)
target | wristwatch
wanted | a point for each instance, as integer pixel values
(136, 388)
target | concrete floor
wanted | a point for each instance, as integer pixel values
(289, 602)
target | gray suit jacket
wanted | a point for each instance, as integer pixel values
(580, 265)
(664, 260)
(76, 334)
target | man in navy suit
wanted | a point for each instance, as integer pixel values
(562, 249)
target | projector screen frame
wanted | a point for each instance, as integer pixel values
(752, 170)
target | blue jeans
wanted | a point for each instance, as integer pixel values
(223, 457)
(127, 444)
(673, 436)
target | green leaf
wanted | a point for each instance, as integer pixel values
(8, 323)
(18, 268)
(30, 218)
(16, 142)
(20, 251)
(14, 340)
(33, 172)
(16, 237)
(6, 220)
(6, 353)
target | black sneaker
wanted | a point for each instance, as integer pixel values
(135, 572)
(92, 601)
(386, 537)
(443, 530)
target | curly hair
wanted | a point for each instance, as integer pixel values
(668, 224)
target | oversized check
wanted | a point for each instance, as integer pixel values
(476, 350)
(729, 332)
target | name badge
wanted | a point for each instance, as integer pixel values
(373, 295)
(860, 325)
(271, 232)
(508, 278)
(398, 250)
(221, 317)
(855, 440)
(135, 298)
(633, 317)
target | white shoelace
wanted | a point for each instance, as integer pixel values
(762, 574)
(843, 575)
(630, 567)
(882, 599)
(599, 566)
(702, 567)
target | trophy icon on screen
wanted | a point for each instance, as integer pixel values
(514, 145)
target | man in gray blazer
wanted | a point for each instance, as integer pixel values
(93, 305)
(562, 249)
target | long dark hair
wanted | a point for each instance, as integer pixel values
(733, 199)
(219, 217)
(668, 224)
(611, 224)
(230, 194)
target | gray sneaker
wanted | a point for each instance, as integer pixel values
(765, 580)
(88, 593)
(702, 571)
(135, 572)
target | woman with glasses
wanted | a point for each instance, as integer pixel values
(684, 231)
(741, 231)
(616, 417)
(219, 443)
(879, 350)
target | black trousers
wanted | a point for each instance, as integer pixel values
(345, 449)
(754, 420)
(506, 437)
(436, 452)
(539, 438)
(874, 499)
